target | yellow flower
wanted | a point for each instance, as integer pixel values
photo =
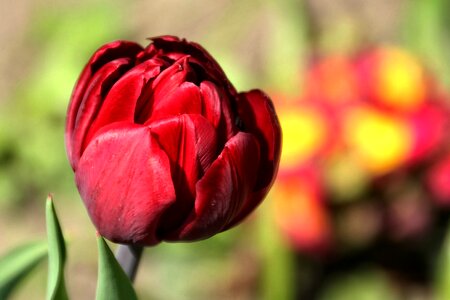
(304, 133)
(379, 141)
(399, 79)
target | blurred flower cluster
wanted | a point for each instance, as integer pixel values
(366, 156)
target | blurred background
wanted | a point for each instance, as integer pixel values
(361, 204)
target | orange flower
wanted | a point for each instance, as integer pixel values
(332, 80)
(306, 133)
(300, 212)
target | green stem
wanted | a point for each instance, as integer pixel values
(129, 257)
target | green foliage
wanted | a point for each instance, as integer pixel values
(426, 30)
(278, 281)
(18, 263)
(364, 284)
(56, 288)
(112, 282)
(442, 275)
(285, 63)
(60, 40)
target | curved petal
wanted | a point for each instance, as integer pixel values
(173, 47)
(258, 114)
(171, 78)
(112, 51)
(90, 105)
(124, 180)
(259, 117)
(217, 108)
(105, 54)
(190, 143)
(120, 103)
(223, 189)
(185, 99)
(163, 86)
(211, 106)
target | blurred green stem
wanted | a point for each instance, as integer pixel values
(129, 257)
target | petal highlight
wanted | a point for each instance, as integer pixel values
(124, 180)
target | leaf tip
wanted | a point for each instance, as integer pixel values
(50, 197)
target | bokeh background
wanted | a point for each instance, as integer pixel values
(269, 44)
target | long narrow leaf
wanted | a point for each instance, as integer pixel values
(18, 263)
(112, 283)
(56, 288)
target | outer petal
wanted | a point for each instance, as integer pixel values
(223, 189)
(190, 143)
(105, 54)
(90, 105)
(259, 117)
(258, 114)
(124, 179)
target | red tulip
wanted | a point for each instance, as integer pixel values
(162, 145)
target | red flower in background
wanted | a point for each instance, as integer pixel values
(300, 210)
(438, 180)
(162, 145)
(360, 121)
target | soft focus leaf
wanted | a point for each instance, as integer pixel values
(112, 283)
(290, 31)
(18, 263)
(426, 31)
(364, 284)
(56, 288)
(442, 280)
(278, 281)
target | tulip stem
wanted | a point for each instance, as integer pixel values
(128, 257)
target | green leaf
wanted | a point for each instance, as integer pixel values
(18, 263)
(426, 31)
(366, 283)
(112, 283)
(278, 277)
(442, 273)
(56, 288)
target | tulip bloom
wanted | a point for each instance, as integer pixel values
(162, 145)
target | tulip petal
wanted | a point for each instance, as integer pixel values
(105, 54)
(164, 85)
(124, 180)
(174, 48)
(211, 102)
(258, 114)
(190, 143)
(171, 78)
(120, 103)
(223, 189)
(90, 105)
(259, 117)
(216, 108)
(185, 99)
